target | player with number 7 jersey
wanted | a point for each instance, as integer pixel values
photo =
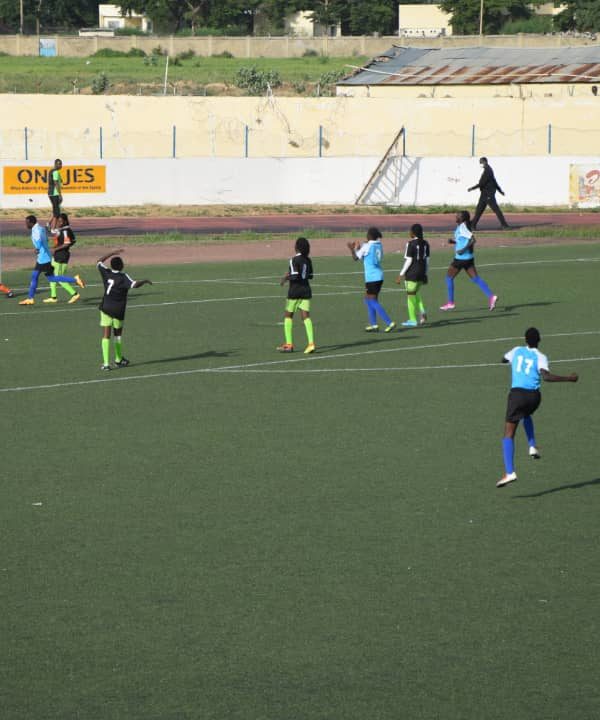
(113, 305)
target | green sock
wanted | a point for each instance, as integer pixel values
(287, 329)
(53, 290)
(64, 286)
(412, 307)
(105, 350)
(118, 348)
(310, 333)
(420, 305)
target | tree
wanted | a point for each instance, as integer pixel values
(581, 15)
(68, 14)
(465, 14)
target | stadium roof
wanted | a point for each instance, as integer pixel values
(480, 66)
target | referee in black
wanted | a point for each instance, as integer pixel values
(487, 186)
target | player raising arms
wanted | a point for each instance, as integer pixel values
(464, 259)
(529, 366)
(414, 272)
(371, 254)
(113, 305)
(299, 273)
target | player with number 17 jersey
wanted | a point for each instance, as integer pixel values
(116, 286)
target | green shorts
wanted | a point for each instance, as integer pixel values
(60, 268)
(412, 286)
(297, 304)
(108, 321)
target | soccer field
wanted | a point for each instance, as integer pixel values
(222, 532)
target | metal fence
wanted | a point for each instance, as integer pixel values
(229, 137)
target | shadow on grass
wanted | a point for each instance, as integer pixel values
(181, 358)
(560, 488)
(371, 341)
(509, 308)
(454, 320)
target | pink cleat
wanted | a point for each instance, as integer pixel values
(493, 301)
(448, 306)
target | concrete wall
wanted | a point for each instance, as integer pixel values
(343, 46)
(142, 127)
(403, 181)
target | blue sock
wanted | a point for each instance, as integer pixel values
(61, 278)
(450, 288)
(528, 427)
(508, 450)
(33, 284)
(381, 311)
(371, 310)
(482, 285)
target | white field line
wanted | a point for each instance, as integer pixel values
(268, 278)
(255, 367)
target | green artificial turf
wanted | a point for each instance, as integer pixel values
(300, 537)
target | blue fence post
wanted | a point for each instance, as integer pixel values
(320, 141)
(174, 141)
(246, 135)
(472, 140)
(26, 146)
(549, 139)
(101, 145)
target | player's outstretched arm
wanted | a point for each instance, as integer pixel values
(550, 377)
(353, 247)
(139, 283)
(110, 254)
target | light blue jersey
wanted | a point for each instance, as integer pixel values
(39, 238)
(462, 237)
(526, 364)
(371, 253)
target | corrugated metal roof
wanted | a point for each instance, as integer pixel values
(480, 66)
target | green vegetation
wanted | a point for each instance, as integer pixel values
(190, 74)
(219, 531)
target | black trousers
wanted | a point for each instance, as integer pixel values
(488, 201)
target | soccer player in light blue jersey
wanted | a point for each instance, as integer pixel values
(371, 254)
(39, 240)
(529, 367)
(464, 259)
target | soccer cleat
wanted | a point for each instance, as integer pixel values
(534, 453)
(448, 306)
(105, 367)
(74, 298)
(508, 478)
(409, 323)
(50, 300)
(123, 362)
(310, 348)
(79, 281)
(27, 301)
(10, 294)
(372, 328)
(286, 347)
(493, 301)
(422, 318)
(390, 327)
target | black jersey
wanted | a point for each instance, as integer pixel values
(116, 287)
(65, 237)
(418, 251)
(300, 272)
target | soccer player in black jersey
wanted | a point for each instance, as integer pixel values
(113, 305)
(64, 239)
(299, 273)
(414, 272)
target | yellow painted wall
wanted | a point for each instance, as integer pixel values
(289, 127)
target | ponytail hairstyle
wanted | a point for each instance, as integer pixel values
(302, 246)
(465, 217)
(373, 233)
(416, 231)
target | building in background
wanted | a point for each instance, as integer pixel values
(423, 21)
(110, 18)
